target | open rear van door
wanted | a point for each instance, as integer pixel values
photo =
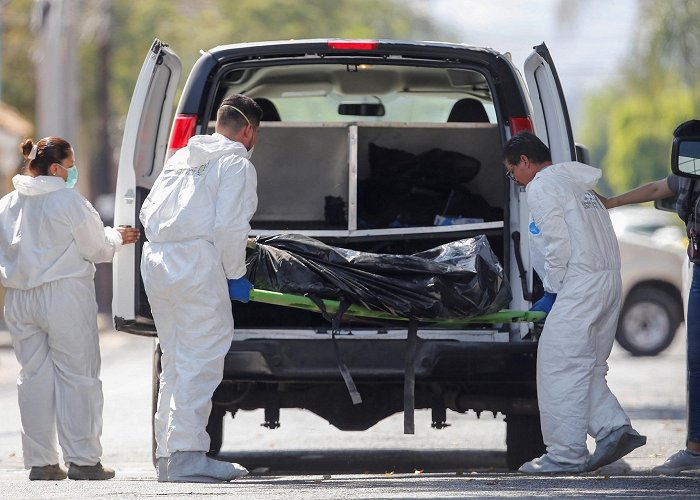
(142, 154)
(550, 114)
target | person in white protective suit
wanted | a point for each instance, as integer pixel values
(50, 238)
(574, 251)
(197, 218)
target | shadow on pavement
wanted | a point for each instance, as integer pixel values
(367, 461)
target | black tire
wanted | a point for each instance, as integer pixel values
(523, 440)
(215, 428)
(155, 386)
(649, 320)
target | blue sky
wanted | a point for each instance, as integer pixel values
(588, 39)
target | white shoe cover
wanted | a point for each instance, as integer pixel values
(614, 446)
(547, 465)
(196, 467)
(162, 469)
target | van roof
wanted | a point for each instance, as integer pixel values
(328, 47)
(498, 68)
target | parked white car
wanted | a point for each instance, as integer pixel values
(652, 248)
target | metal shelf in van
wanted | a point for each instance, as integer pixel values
(383, 232)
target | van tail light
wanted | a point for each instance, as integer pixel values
(520, 124)
(353, 44)
(183, 129)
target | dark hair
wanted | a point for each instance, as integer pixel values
(685, 129)
(49, 150)
(237, 110)
(528, 144)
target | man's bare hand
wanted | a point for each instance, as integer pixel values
(605, 201)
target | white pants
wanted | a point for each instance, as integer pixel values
(572, 392)
(188, 293)
(54, 334)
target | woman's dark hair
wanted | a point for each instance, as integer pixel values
(48, 150)
(526, 144)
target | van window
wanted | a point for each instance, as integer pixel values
(351, 93)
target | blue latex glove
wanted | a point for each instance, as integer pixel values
(545, 303)
(239, 289)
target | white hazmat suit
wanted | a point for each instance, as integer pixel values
(575, 253)
(196, 219)
(50, 236)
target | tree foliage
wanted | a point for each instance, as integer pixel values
(193, 26)
(18, 76)
(113, 46)
(628, 124)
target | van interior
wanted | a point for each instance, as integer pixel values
(379, 158)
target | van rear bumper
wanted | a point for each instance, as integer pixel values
(377, 360)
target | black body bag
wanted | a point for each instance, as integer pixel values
(459, 279)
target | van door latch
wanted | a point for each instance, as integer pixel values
(129, 197)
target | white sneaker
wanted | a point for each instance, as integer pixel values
(196, 467)
(547, 465)
(678, 462)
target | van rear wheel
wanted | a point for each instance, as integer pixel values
(523, 440)
(215, 428)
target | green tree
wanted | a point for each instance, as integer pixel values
(116, 34)
(669, 40)
(192, 26)
(18, 75)
(628, 124)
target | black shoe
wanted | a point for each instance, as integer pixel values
(89, 472)
(47, 473)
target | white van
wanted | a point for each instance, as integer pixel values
(337, 114)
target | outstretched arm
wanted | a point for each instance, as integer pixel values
(656, 190)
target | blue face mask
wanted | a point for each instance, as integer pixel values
(72, 178)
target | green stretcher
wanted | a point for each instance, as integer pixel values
(332, 306)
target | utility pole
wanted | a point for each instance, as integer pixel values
(2, 34)
(54, 23)
(103, 178)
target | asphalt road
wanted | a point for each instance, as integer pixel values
(307, 458)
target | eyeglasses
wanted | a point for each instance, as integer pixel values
(509, 171)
